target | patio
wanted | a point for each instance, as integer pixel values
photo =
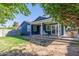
(45, 40)
(41, 40)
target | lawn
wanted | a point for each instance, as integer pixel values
(6, 43)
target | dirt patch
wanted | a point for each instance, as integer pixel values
(56, 48)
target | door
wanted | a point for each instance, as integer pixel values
(53, 30)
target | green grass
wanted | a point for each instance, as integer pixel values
(6, 43)
(9, 28)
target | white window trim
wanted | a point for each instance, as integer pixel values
(47, 28)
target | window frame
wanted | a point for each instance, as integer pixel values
(47, 27)
(28, 28)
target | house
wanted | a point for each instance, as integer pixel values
(42, 26)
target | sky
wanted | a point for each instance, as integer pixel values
(36, 11)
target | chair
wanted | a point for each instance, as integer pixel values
(44, 33)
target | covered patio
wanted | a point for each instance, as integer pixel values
(47, 28)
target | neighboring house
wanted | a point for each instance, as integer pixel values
(42, 26)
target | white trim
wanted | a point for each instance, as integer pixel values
(58, 31)
(30, 30)
(51, 29)
(47, 27)
(55, 29)
(64, 30)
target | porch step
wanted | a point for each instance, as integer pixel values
(53, 42)
(72, 39)
(66, 41)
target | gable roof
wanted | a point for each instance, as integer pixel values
(24, 23)
(41, 18)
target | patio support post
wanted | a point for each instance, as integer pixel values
(51, 29)
(30, 30)
(58, 31)
(60, 28)
(55, 29)
(64, 29)
(41, 29)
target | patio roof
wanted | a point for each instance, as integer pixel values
(45, 21)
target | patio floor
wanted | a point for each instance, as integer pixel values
(47, 40)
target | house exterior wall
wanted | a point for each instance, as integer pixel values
(37, 31)
(41, 23)
(23, 29)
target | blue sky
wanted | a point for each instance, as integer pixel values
(36, 11)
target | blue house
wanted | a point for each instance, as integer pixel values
(24, 28)
(42, 26)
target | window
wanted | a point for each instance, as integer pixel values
(34, 28)
(28, 28)
(48, 28)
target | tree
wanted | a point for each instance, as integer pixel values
(16, 25)
(67, 14)
(9, 11)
